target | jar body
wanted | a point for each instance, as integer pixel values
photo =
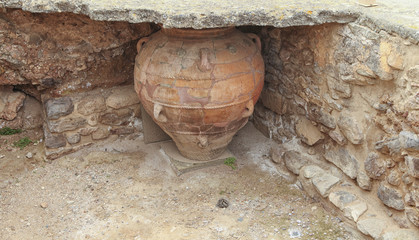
(199, 86)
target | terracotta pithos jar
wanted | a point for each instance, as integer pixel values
(199, 86)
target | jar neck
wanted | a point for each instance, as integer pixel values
(197, 33)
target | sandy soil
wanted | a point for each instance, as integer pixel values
(124, 189)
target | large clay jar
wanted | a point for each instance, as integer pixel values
(199, 86)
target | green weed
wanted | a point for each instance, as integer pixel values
(22, 143)
(231, 161)
(9, 131)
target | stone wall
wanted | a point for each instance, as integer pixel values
(349, 96)
(76, 121)
(69, 74)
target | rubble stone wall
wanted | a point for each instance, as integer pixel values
(350, 96)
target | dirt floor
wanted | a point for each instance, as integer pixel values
(124, 189)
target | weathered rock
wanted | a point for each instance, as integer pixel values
(413, 215)
(389, 146)
(294, 161)
(87, 131)
(308, 132)
(341, 198)
(409, 200)
(311, 171)
(58, 107)
(54, 140)
(391, 197)
(273, 101)
(277, 154)
(100, 133)
(117, 117)
(343, 160)
(122, 97)
(338, 137)
(32, 113)
(350, 128)
(66, 124)
(122, 130)
(364, 181)
(73, 138)
(402, 234)
(93, 119)
(91, 104)
(12, 106)
(324, 183)
(373, 227)
(394, 178)
(395, 60)
(409, 141)
(374, 166)
(354, 210)
(320, 115)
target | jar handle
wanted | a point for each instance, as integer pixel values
(248, 109)
(141, 42)
(255, 38)
(157, 112)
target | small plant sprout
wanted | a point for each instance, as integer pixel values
(231, 161)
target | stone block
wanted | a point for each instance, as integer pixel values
(117, 117)
(87, 130)
(394, 178)
(341, 198)
(32, 113)
(350, 128)
(402, 234)
(73, 138)
(413, 215)
(412, 164)
(363, 180)
(54, 140)
(354, 210)
(91, 104)
(338, 137)
(13, 103)
(409, 141)
(308, 132)
(324, 183)
(311, 171)
(375, 166)
(373, 227)
(66, 124)
(391, 197)
(342, 159)
(273, 101)
(294, 161)
(122, 97)
(100, 133)
(58, 107)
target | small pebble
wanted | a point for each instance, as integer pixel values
(1, 156)
(222, 203)
(29, 155)
(44, 205)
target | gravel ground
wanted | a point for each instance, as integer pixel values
(124, 189)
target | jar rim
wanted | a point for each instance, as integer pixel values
(197, 33)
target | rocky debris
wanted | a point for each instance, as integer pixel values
(405, 140)
(409, 141)
(122, 97)
(350, 128)
(324, 183)
(222, 203)
(342, 159)
(73, 138)
(363, 181)
(374, 166)
(354, 210)
(29, 155)
(308, 132)
(373, 227)
(91, 104)
(404, 234)
(412, 165)
(413, 215)
(390, 196)
(294, 161)
(58, 107)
